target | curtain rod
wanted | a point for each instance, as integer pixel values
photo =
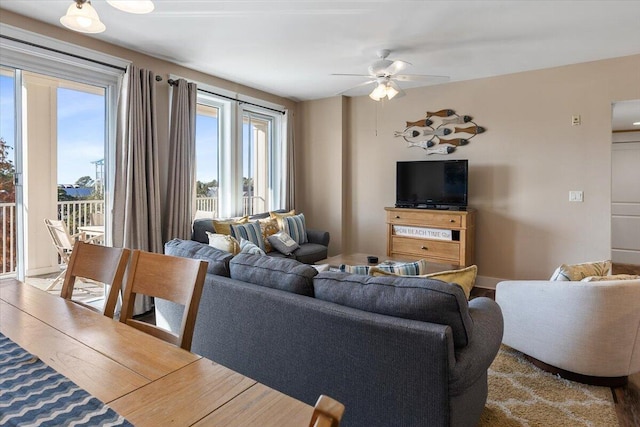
(172, 82)
(62, 52)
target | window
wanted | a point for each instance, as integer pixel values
(207, 157)
(238, 157)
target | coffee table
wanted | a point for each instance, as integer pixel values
(361, 259)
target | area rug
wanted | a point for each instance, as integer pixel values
(521, 394)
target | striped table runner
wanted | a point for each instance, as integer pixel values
(34, 394)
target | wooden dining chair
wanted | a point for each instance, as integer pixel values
(327, 412)
(100, 264)
(171, 278)
(63, 242)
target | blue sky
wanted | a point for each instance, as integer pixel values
(206, 148)
(80, 129)
(81, 121)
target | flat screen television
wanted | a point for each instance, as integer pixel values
(432, 184)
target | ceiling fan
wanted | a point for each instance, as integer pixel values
(385, 74)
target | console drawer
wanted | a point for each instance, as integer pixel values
(425, 248)
(426, 219)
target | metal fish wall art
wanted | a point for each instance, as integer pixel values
(428, 133)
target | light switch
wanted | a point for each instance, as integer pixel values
(575, 196)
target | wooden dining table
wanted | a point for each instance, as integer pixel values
(146, 380)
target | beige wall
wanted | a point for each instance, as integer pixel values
(521, 169)
(320, 162)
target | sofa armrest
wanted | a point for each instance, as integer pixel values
(473, 360)
(319, 237)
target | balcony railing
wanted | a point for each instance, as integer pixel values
(8, 236)
(78, 213)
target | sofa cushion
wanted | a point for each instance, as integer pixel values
(310, 253)
(464, 277)
(200, 228)
(414, 298)
(218, 260)
(575, 272)
(274, 272)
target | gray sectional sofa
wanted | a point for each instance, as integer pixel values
(307, 253)
(395, 351)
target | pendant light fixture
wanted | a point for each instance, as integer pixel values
(133, 6)
(82, 17)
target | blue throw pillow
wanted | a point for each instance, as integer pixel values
(296, 228)
(250, 231)
(247, 247)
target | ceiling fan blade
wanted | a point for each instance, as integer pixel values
(421, 78)
(368, 82)
(394, 85)
(352, 75)
(396, 67)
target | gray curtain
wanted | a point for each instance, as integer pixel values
(136, 193)
(182, 162)
(290, 173)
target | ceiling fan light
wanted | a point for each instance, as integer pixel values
(391, 92)
(133, 6)
(379, 92)
(82, 17)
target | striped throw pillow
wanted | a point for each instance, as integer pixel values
(250, 231)
(296, 228)
(415, 268)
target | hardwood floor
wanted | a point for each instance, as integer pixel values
(627, 398)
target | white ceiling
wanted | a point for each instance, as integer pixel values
(291, 48)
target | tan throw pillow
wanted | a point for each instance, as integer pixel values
(268, 227)
(224, 243)
(279, 217)
(223, 226)
(611, 277)
(576, 272)
(465, 277)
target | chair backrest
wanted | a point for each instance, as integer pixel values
(327, 412)
(62, 240)
(97, 218)
(171, 278)
(98, 263)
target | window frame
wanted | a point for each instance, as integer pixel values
(230, 167)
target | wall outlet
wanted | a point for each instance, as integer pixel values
(576, 120)
(575, 196)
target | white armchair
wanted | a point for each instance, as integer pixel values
(587, 328)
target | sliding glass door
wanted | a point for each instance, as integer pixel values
(52, 164)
